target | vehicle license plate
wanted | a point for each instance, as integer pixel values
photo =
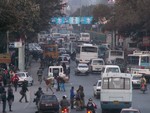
(48, 104)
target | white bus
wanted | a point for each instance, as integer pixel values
(116, 91)
(139, 63)
(86, 52)
(111, 55)
(84, 37)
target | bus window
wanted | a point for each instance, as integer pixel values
(105, 83)
(116, 53)
(145, 59)
(116, 83)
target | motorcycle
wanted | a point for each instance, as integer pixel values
(65, 110)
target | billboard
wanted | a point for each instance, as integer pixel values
(72, 20)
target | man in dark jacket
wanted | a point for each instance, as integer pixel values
(23, 91)
(4, 101)
(72, 95)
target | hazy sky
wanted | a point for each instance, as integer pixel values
(74, 4)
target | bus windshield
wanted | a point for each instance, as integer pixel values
(116, 83)
(89, 49)
(133, 60)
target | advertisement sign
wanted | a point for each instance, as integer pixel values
(5, 58)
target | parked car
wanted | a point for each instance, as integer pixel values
(82, 69)
(130, 110)
(97, 89)
(136, 81)
(48, 103)
(24, 76)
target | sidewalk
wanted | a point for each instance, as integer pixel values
(17, 107)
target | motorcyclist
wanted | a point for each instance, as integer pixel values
(91, 106)
(38, 95)
(64, 103)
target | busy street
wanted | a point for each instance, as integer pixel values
(140, 101)
(74, 56)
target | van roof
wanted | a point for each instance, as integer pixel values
(111, 66)
(127, 75)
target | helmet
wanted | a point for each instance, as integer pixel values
(90, 99)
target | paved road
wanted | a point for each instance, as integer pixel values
(141, 101)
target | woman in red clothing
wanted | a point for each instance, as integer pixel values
(15, 80)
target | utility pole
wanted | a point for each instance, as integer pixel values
(7, 33)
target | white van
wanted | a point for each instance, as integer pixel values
(96, 64)
(111, 69)
(55, 71)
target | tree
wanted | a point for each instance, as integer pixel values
(132, 17)
(27, 16)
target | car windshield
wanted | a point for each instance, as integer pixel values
(21, 74)
(97, 62)
(48, 98)
(129, 112)
(114, 70)
(99, 83)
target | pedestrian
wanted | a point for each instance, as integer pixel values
(15, 80)
(62, 84)
(64, 67)
(4, 100)
(10, 97)
(23, 91)
(49, 82)
(72, 95)
(1, 91)
(4, 78)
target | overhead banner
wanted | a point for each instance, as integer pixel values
(72, 20)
